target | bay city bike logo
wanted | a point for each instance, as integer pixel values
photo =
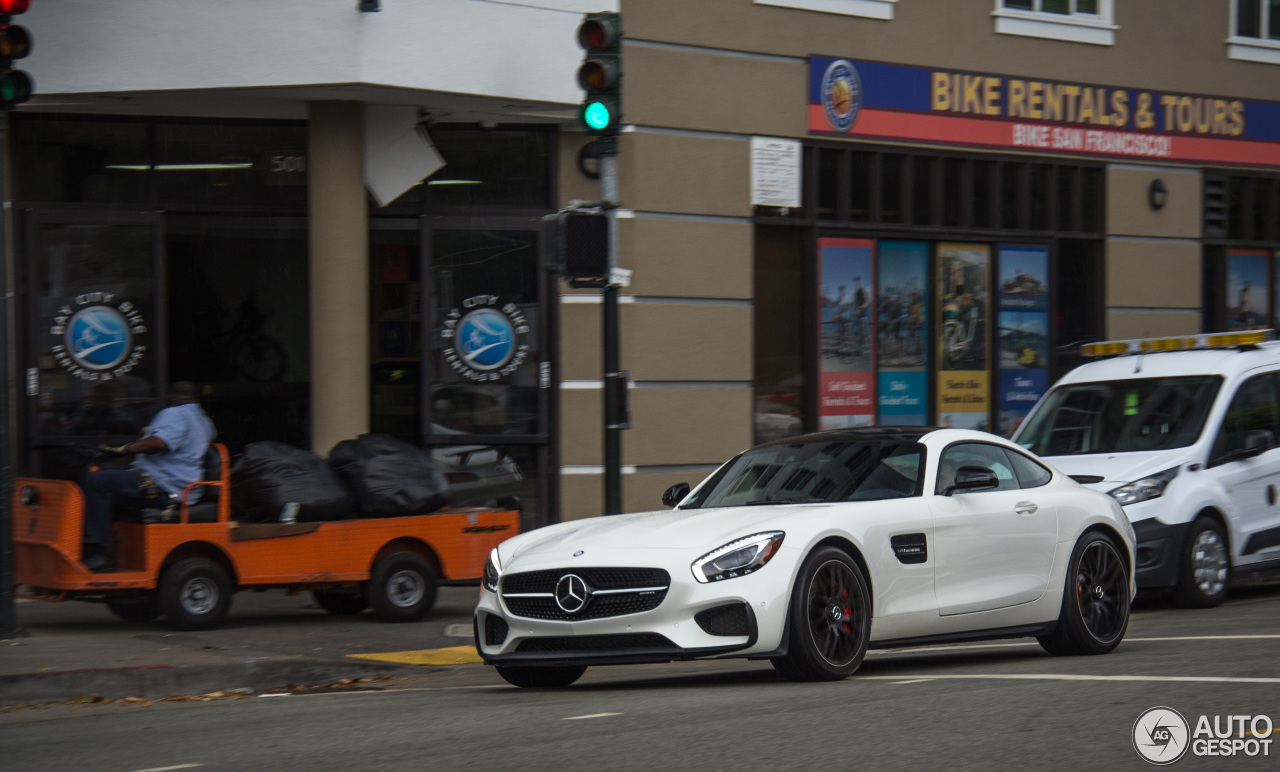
(487, 340)
(1162, 736)
(97, 336)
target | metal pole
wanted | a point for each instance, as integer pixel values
(614, 380)
(8, 618)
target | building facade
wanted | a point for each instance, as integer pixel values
(836, 212)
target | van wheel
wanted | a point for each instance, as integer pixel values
(195, 593)
(402, 588)
(1205, 568)
(339, 603)
(144, 608)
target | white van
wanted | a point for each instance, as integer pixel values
(1183, 433)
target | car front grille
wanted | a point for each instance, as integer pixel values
(595, 643)
(612, 592)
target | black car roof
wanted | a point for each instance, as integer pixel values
(858, 434)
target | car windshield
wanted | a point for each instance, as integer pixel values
(1120, 416)
(815, 472)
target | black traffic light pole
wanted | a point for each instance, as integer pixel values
(8, 616)
(615, 381)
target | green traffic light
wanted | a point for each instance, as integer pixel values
(596, 116)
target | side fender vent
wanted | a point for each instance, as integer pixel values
(910, 548)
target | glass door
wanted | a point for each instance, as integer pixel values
(486, 342)
(95, 332)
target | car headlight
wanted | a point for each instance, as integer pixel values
(1147, 488)
(492, 571)
(737, 558)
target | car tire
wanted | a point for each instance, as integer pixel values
(829, 618)
(195, 593)
(1095, 600)
(556, 677)
(1204, 570)
(339, 603)
(401, 587)
(140, 609)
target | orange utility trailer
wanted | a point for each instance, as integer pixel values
(188, 569)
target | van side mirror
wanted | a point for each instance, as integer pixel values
(1258, 441)
(973, 478)
(675, 494)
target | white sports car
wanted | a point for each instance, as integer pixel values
(806, 551)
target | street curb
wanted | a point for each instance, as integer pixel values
(155, 681)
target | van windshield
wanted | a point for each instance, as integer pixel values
(1120, 416)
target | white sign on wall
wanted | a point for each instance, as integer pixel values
(775, 172)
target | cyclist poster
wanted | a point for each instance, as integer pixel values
(846, 337)
(1246, 299)
(963, 366)
(902, 313)
(1023, 332)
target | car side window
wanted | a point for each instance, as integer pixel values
(1254, 408)
(975, 454)
(1031, 474)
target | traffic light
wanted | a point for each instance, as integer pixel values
(15, 43)
(600, 74)
(575, 245)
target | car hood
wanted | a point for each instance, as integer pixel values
(697, 529)
(1116, 469)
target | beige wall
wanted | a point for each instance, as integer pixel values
(1154, 278)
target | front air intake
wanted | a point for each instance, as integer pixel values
(729, 619)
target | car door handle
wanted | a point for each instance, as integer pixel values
(1025, 508)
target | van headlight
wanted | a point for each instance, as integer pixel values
(1151, 487)
(738, 558)
(492, 571)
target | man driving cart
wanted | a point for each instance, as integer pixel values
(167, 458)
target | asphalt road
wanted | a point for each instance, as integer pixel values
(998, 705)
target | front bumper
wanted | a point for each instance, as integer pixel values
(743, 616)
(1160, 549)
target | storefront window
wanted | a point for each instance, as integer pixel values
(75, 161)
(238, 322)
(231, 164)
(396, 307)
(507, 168)
(94, 334)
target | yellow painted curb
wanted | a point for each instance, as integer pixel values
(455, 655)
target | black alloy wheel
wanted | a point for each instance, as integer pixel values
(830, 619)
(1095, 604)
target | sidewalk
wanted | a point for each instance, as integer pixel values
(269, 640)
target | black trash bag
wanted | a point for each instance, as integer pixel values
(271, 475)
(389, 477)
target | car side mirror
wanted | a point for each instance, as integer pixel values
(675, 494)
(974, 478)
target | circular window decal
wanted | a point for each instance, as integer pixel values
(98, 337)
(486, 339)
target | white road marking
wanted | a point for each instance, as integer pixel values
(457, 631)
(593, 715)
(166, 769)
(1072, 677)
(1208, 638)
(912, 681)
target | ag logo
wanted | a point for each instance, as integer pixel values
(97, 336)
(841, 94)
(1161, 736)
(487, 340)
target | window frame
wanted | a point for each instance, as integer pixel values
(1092, 28)
(1252, 49)
(869, 9)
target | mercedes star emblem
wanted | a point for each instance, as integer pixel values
(571, 593)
